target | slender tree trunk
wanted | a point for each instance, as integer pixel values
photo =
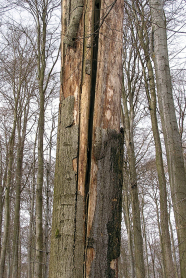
(124, 266)
(151, 96)
(172, 139)
(153, 260)
(20, 257)
(4, 179)
(7, 205)
(126, 212)
(165, 235)
(39, 198)
(46, 241)
(128, 221)
(145, 238)
(88, 177)
(1, 211)
(48, 172)
(8, 259)
(130, 241)
(138, 241)
(173, 247)
(31, 235)
(16, 232)
(41, 44)
(160, 233)
(7, 191)
(1, 193)
(14, 263)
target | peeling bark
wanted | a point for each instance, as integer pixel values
(104, 208)
(87, 196)
(75, 16)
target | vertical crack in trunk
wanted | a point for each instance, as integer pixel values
(93, 82)
(91, 115)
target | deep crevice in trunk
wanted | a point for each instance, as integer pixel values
(91, 113)
(93, 87)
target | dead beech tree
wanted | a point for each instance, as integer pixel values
(85, 239)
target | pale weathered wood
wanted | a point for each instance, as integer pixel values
(85, 238)
(106, 180)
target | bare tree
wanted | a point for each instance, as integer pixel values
(17, 67)
(177, 176)
(129, 96)
(41, 12)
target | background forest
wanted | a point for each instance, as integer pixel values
(29, 101)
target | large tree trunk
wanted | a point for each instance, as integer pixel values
(87, 198)
(173, 145)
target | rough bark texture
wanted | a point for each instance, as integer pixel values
(64, 236)
(173, 145)
(103, 236)
(85, 238)
(76, 14)
(105, 131)
(67, 239)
